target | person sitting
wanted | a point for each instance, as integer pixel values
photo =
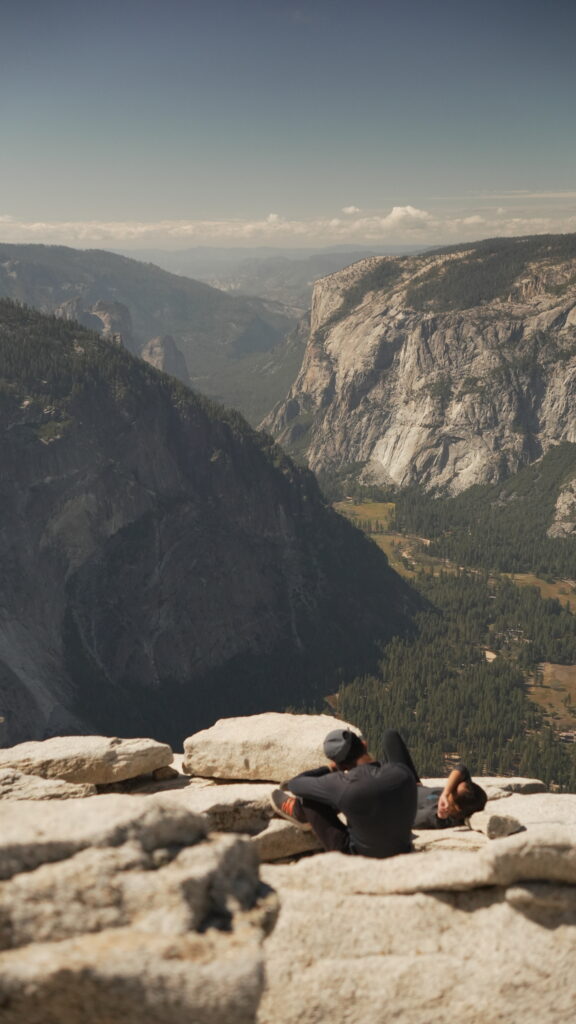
(381, 800)
(378, 800)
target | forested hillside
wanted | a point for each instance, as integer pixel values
(440, 688)
(504, 527)
(163, 564)
(487, 270)
(235, 348)
(449, 702)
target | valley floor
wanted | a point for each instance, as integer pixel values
(551, 686)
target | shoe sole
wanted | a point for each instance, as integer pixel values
(304, 826)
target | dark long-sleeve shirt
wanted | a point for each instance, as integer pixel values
(427, 809)
(378, 800)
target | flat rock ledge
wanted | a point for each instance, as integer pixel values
(98, 760)
(500, 785)
(187, 899)
(17, 786)
(228, 807)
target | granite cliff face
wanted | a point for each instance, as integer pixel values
(110, 319)
(164, 354)
(446, 369)
(161, 561)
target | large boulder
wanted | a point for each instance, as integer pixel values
(544, 852)
(95, 759)
(485, 956)
(272, 747)
(537, 809)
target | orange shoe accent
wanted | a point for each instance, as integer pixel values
(288, 806)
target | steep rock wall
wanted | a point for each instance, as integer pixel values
(412, 385)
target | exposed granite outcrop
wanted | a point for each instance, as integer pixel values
(163, 353)
(93, 759)
(116, 907)
(412, 388)
(110, 319)
(19, 786)
(564, 520)
(138, 915)
(426, 938)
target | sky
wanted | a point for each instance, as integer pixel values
(176, 123)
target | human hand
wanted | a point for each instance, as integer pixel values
(444, 808)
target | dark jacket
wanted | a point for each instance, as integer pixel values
(378, 800)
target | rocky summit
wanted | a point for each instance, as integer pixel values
(186, 899)
(162, 563)
(446, 369)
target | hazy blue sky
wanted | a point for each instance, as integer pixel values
(176, 122)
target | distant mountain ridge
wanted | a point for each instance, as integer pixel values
(446, 369)
(234, 347)
(163, 564)
(282, 275)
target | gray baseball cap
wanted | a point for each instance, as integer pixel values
(338, 744)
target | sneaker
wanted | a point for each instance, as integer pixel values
(289, 807)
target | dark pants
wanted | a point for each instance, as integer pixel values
(326, 824)
(396, 751)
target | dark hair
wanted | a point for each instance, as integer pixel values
(472, 799)
(356, 750)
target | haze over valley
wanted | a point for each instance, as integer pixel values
(284, 275)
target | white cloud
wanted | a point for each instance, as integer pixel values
(407, 216)
(401, 224)
(350, 210)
